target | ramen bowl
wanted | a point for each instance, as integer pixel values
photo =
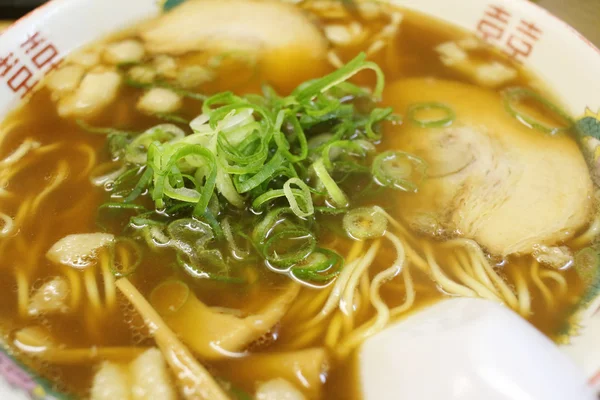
(563, 59)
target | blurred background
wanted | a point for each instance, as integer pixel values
(582, 14)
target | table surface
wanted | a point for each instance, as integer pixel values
(581, 14)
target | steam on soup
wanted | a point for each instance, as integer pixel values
(216, 206)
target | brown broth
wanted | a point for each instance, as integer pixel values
(72, 209)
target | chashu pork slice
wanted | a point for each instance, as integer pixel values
(280, 35)
(490, 178)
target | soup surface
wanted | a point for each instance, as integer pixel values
(470, 207)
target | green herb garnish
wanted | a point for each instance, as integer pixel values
(514, 96)
(276, 166)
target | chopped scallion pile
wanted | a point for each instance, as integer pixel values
(257, 177)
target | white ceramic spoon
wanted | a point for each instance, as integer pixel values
(467, 349)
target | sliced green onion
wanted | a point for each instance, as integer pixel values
(190, 235)
(194, 270)
(283, 143)
(126, 257)
(377, 116)
(269, 196)
(226, 187)
(212, 258)
(330, 210)
(103, 131)
(513, 95)
(271, 220)
(304, 196)
(322, 265)
(210, 218)
(358, 64)
(173, 118)
(295, 151)
(365, 223)
(336, 194)
(117, 145)
(138, 148)
(152, 232)
(106, 173)
(444, 121)
(165, 160)
(142, 185)
(122, 207)
(287, 247)
(342, 146)
(236, 251)
(399, 170)
(247, 184)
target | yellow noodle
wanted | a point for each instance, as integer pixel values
(6, 174)
(314, 303)
(110, 290)
(22, 292)
(537, 280)
(475, 267)
(478, 262)
(416, 259)
(470, 281)
(27, 146)
(49, 148)
(334, 330)
(123, 257)
(410, 295)
(334, 296)
(523, 293)
(507, 294)
(18, 222)
(298, 307)
(81, 206)
(308, 306)
(59, 177)
(75, 285)
(589, 235)
(307, 336)
(393, 221)
(91, 288)
(447, 284)
(347, 298)
(23, 212)
(91, 159)
(94, 326)
(466, 263)
(558, 278)
(317, 303)
(355, 251)
(6, 129)
(382, 316)
(348, 317)
(364, 288)
(419, 286)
